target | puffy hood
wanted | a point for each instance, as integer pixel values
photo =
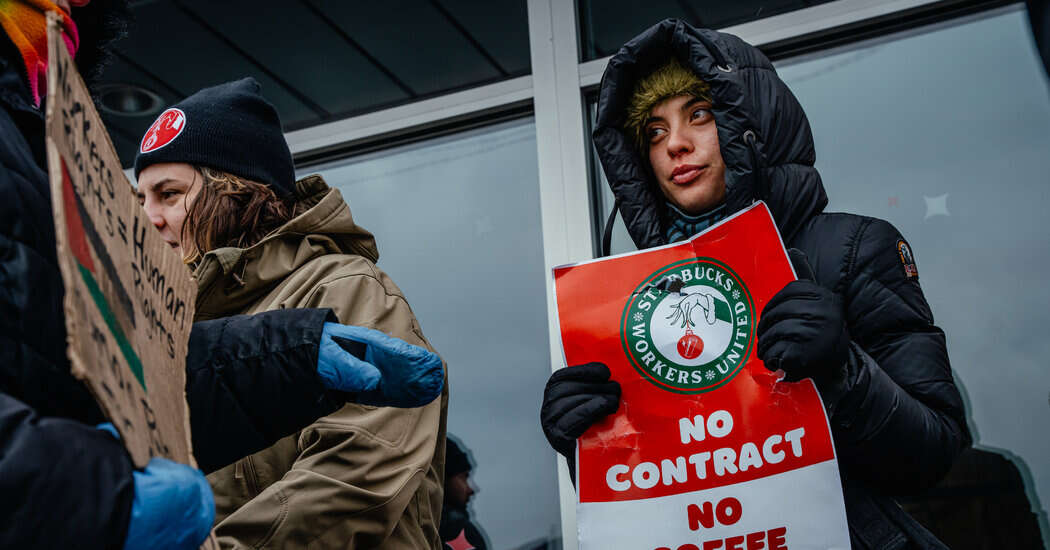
(765, 138)
(232, 278)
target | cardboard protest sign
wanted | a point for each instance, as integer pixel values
(708, 450)
(129, 298)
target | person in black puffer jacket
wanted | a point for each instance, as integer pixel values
(65, 483)
(694, 125)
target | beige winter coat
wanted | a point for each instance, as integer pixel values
(363, 477)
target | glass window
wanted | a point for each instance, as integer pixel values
(316, 61)
(946, 134)
(606, 24)
(457, 220)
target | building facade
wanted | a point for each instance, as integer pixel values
(458, 131)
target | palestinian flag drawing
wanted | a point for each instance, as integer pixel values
(108, 295)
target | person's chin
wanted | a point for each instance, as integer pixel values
(696, 201)
(454, 519)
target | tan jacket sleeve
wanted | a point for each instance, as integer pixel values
(364, 477)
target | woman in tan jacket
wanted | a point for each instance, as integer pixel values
(217, 178)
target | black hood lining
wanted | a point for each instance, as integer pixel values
(748, 100)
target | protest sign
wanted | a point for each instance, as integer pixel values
(129, 298)
(708, 450)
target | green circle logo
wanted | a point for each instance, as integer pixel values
(688, 327)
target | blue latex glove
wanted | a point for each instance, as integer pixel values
(173, 507)
(109, 428)
(380, 370)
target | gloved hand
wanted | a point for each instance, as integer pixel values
(173, 508)
(575, 399)
(379, 370)
(803, 328)
(109, 428)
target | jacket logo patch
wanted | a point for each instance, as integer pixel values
(907, 259)
(164, 130)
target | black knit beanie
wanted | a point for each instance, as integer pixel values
(456, 458)
(229, 127)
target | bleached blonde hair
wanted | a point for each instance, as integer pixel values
(667, 81)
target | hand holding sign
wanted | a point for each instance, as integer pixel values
(128, 309)
(575, 399)
(803, 329)
(708, 449)
(173, 507)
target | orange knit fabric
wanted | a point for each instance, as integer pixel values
(25, 24)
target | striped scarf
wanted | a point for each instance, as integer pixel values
(25, 24)
(683, 225)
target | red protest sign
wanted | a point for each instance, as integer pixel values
(702, 423)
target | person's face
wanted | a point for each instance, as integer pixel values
(458, 490)
(166, 191)
(684, 153)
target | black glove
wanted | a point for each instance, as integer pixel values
(803, 328)
(575, 399)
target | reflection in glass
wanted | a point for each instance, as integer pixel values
(317, 61)
(457, 220)
(606, 24)
(947, 135)
(459, 530)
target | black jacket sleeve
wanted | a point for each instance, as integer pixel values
(64, 484)
(251, 380)
(33, 363)
(898, 421)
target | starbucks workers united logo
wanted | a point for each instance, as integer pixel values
(688, 327)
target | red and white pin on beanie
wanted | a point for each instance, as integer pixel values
(164, 130)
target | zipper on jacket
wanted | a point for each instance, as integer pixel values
(251, 478)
